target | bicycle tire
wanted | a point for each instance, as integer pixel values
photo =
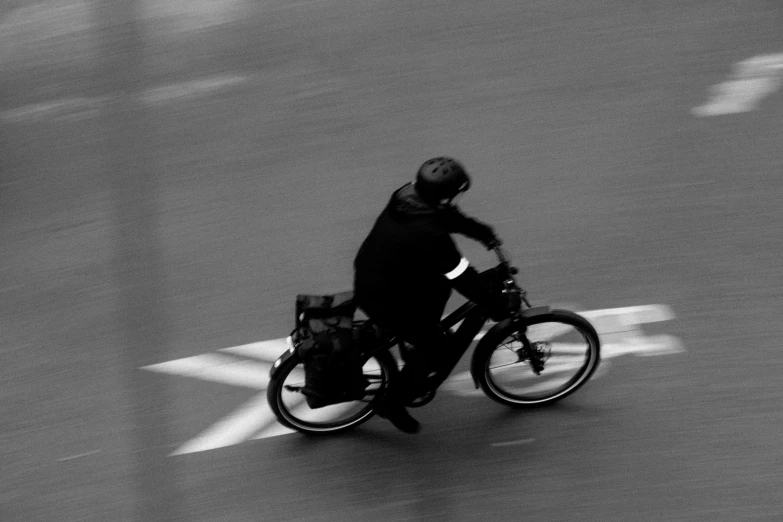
(578, 365)
(293, 412)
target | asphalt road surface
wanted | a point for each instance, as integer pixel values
(172, 175)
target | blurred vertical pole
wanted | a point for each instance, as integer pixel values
(137, 263)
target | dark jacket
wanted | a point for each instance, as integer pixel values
(400, 268)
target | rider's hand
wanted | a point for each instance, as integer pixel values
(484, 234)
(484, 292)
(492, 243)
(505, 304)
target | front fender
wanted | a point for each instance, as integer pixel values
(495, 335)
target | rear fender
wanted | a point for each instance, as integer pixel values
(495, 335)
(283, 357)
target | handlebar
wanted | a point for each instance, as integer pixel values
(510, 283)
(504, 258)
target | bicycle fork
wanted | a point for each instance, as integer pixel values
(530, 353)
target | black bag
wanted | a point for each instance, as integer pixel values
(325, 336)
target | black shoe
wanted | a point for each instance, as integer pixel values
(398, 416)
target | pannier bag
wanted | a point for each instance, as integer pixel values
(326, 339)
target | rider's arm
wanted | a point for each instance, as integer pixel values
(442, 256)
(467, 281)
(458, 223)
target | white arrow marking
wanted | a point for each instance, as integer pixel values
(218, 368)
(265, 350)
(238, 427)
(274, 430)
(753, 79)
(644, 346)
(629, 315)
(618, 327)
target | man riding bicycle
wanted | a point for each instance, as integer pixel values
(407, 267)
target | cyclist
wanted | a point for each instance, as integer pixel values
(407, 267)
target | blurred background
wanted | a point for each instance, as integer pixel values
(173, 173)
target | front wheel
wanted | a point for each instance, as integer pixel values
(550, 359)
(286, 400)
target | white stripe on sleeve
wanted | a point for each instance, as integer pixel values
(459, 269)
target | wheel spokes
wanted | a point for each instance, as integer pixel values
(555, 356)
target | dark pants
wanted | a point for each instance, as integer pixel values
(429, 346)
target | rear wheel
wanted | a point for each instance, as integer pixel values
(288, 403)
(556, 355)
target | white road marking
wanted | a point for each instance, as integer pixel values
(619, 329)
(630, 315)
(238, 427)
(191, 89)
(80, 455)
(752, 80)
(218, 368)
(265, 350)
(62, 108)
(83, 107)
(327, 412)
(643, 346)
(513, 442)
(273, 430)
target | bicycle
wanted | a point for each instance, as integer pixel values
(535, 357)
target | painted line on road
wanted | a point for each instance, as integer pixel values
(264, 350)
(76, 107)
(274, 430)
(239, 426)
(513, 442)
(218, 368)
(62, 108)
(191, 89)
(632, 315)
(752, 80)
(80, 455)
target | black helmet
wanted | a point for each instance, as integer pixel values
(441, 178)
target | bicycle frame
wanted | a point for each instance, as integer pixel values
(473, 320)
